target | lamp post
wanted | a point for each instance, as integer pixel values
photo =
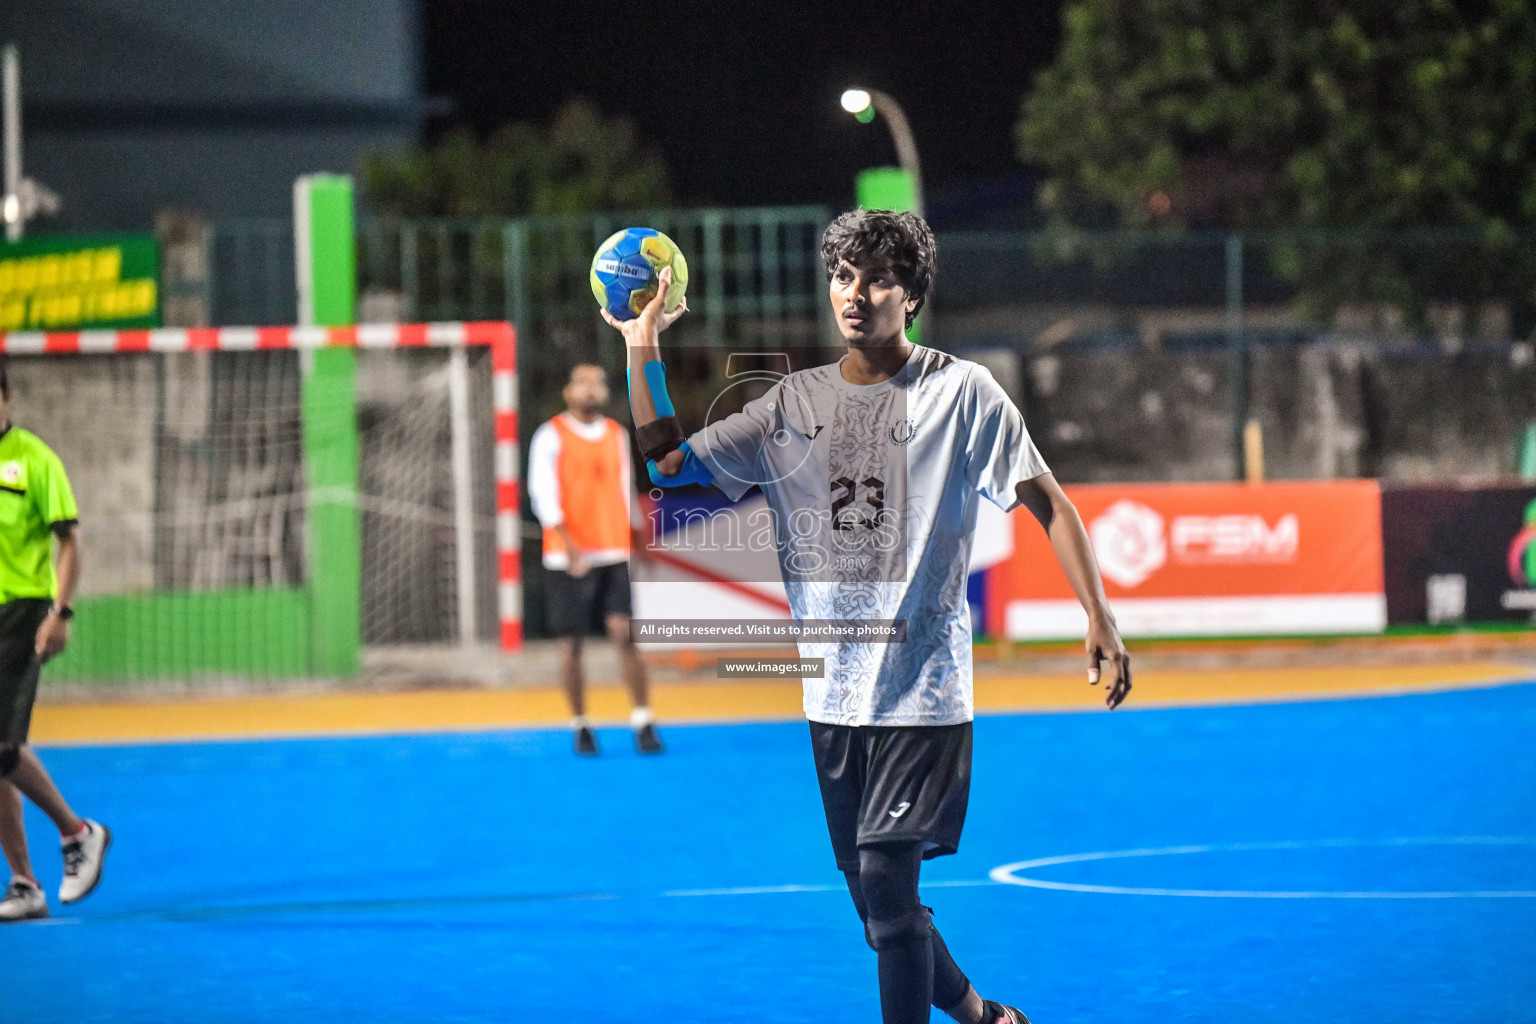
(10, 86)
(22, 198)
(864, 104)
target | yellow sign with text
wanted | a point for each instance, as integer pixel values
(61, 284)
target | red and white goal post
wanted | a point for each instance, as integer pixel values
(190, 472)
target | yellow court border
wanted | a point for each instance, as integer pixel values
(471, 710)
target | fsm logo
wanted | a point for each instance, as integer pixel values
(1132, 543)
(1128, 539)
(1235, 538)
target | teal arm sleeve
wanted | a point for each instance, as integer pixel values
(656, 378)
(693, 472)
(663, 435)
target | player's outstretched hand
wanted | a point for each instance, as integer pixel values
(1104, 644)
(653, 319)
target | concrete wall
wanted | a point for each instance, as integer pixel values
(1434, 417)
(1349, 408)
(1109, 415)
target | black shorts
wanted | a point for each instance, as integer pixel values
(576, 606)
(893, 784)
(19, 667)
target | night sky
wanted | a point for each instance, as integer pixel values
(742, 97)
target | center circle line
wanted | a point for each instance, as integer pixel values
(1008, 874)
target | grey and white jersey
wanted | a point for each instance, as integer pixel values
(874, 494)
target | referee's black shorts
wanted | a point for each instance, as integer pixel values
(19, 668)
(578, 605)
(893, 783)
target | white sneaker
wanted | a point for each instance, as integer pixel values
(23, 901)
(82, 862)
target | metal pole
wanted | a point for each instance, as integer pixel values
(714, 276)
(1237, 352)
(12, 89)
(906, 146)
(463, 493)
(514, 276)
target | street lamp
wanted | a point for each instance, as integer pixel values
(859, 103)
(864, 104)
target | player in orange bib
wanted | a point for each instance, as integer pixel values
(579, 482)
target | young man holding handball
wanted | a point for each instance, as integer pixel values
(890, 447)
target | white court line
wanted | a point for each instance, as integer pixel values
(754, 890)
(758, 890)
(1008, 873)
(742, 890)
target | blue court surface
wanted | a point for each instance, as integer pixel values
(1350, 860)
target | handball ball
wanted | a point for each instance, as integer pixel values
(625, 268)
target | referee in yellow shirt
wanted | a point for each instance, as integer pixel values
(36, 506)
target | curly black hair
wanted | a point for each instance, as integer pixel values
(902, 241)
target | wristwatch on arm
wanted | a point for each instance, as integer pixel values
(64, 612)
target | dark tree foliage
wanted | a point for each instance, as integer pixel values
(581, 161)
(1327, 117)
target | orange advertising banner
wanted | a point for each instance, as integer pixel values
(1205, 559)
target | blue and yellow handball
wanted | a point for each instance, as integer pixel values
(625, 269)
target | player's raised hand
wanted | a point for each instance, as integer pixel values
(1103, 645)
(653, 319)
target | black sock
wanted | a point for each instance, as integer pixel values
(950, 984)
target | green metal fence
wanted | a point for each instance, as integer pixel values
(755, 277)
(250, 273)
(757, 263)
(1403, 284)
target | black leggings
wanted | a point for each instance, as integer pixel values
(916, 970)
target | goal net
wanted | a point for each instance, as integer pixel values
(238, 521)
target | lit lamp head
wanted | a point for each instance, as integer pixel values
(860, 104)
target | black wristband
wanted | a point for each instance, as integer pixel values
(660, 438)
(63, 611)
